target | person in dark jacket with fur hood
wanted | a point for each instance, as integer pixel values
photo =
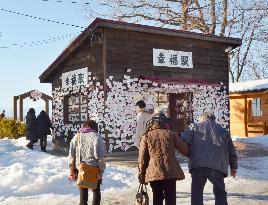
(211, 153)
(31, 128)
(44, 125)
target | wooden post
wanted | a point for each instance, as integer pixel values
(15, 98)
(21, 108)
(246, 116)
(104, 59)
(47, 106)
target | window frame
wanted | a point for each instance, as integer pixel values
(256, 107)
(67, 110)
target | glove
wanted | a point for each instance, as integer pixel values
(233, 172)
(141, 179)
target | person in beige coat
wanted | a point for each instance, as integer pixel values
(158, 164)
(143, 116)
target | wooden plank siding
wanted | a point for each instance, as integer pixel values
(134, 50)
(84, 56)
(237, 116)
(241, 120)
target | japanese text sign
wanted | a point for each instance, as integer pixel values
(75, 78)
(170, 58)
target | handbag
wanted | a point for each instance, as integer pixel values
(88, 176)
(142, 197)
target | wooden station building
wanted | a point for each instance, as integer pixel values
(111, 65)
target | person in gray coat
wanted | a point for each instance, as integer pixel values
(92, 152)
(211, 153)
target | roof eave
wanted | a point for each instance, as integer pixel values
(68, 50)
(233, 42)
(248, 92)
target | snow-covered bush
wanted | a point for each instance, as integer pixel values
(12, 129)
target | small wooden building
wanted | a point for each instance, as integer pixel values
(249, 108)
(112, 65)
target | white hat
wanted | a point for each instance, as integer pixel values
(161, 109)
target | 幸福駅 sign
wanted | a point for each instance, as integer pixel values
(75, 78)
(171, 58)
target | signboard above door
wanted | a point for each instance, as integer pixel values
(75, 78)
(171, 58)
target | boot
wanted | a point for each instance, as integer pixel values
(30, 145)
(45, 145)
(41, 144)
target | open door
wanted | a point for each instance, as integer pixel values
(180, 109)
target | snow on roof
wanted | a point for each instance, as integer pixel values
(253, 85)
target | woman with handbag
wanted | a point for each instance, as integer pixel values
(87, 152)
(157, 161)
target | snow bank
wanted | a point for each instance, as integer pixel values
(263, 140)
(248, 86)
(36, 178)
(31, 175)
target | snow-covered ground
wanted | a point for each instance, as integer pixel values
(37, 178)
(262, 140)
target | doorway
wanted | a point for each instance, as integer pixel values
(180, 109)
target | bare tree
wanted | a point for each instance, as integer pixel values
(245, 19)
(197, 15)
(250, 24)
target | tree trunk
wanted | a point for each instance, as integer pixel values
(224, 17)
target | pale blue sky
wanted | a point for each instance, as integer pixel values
(20, 67)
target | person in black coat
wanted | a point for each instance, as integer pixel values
(3, 114)
(32, 129)
(44, 125)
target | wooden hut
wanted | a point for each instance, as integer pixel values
(249, 108)
(112, 65)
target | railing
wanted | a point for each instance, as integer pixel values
(257, 128)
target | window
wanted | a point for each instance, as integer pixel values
(162, 100)
(256, 107)
(76, 110)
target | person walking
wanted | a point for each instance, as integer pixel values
(44, 125)
(212, 151)
(158, 164)
(31, 128)
(2, 116)
(143, 116)
(92, 152)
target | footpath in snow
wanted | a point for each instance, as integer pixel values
(36, 178)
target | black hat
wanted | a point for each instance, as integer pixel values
(141, 104)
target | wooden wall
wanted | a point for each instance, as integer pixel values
(134, 50)
(128, 49)
(88, 54)
(237, 116)
(241, 113)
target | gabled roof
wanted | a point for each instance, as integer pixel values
(249, 86)
(234, 42)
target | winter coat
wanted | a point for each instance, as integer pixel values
(142, 117)
(2, 116)
(31, 127)
(157, 160)
(44, 124)
(211, 147)
(92, 150)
